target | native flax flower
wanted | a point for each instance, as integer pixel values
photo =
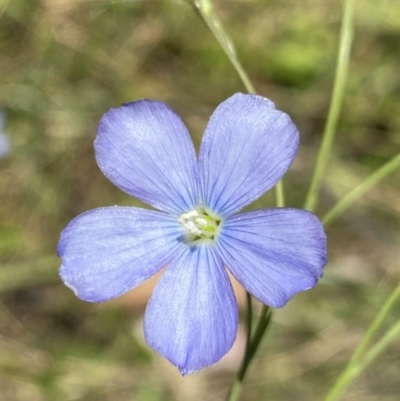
(144, 148)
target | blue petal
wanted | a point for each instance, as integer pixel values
(247, 147)
(145, 149)
(106, 252)
(274, 253)
(192, 315)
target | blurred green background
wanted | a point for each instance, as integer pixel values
(63, 63)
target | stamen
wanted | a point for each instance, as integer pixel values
(191, 214)
(199, 224)
(192, 228)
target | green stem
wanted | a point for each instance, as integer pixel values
(251, 349)
(249, 318)
(206, 10)
(360, 358)
(346, 37)
(356, 369)
(235, 391)
(280, 195)
(360, 190)
(259, 332)
(379, 347)
(376, 324)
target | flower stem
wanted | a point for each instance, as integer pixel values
(249, 318)
(205, 9)
(251, 349)
(235, 391)
(346, 38)
(255, 341)
(360, 189)
(361, 359)
(280, 195)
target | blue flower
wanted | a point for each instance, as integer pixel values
(144, 148)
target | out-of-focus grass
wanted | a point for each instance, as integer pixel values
(64, 63)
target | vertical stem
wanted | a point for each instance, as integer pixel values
(280, 196)
(259, 332)
(251, 349)
(249, 318)
(346, 38)
(206, 10)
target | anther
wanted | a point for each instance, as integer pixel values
(200, 224)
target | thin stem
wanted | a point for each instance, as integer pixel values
(346, 37)
(360, 358)
(280, 195)
(235, 391)
(249, 318)
(357, 368)
(380, 346)
(259, 332)
(360, 190)
(206, 9)
(376, 324)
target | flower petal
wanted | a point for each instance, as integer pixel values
(106, 252)
(274, 253)
(247, 147)
(192, 315)
(145, 149)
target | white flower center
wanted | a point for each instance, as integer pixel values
(199, 224)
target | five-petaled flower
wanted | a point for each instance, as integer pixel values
(144, 148)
